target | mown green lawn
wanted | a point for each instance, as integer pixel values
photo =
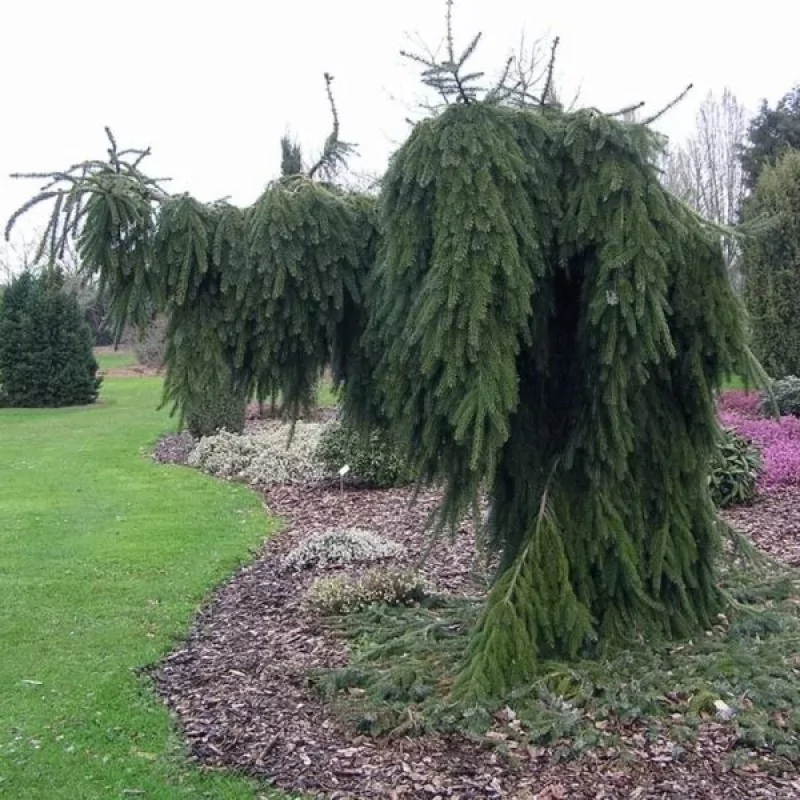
(734, 382)
(104, 558)
(116, 359)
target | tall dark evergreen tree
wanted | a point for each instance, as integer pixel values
(771, 132)
(772, 264)
(550, 324)
(46, 355)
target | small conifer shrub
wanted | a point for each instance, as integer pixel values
(46, 357)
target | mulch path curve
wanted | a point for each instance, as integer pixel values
(238, 689)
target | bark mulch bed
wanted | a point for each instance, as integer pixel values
(773, 523)
(239, 691)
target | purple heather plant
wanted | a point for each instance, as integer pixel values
(740, 402)
(779, 439)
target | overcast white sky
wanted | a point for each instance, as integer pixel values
(212, 86)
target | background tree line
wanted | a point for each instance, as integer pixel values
(738, 173)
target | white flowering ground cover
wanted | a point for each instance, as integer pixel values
(341, 547)
(267, 456)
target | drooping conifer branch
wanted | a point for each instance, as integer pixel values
(669, 106)
(71, 190)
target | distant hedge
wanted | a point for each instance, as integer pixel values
(46, 357)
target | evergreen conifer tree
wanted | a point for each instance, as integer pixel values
(46, 355)
(527, 311)
(772, 268)
(255, 298)
(550, 324)
(770, 134)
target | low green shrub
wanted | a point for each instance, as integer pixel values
(735, 468)
(337, 548)
(786, 396)
(373, 457)
(346, 594)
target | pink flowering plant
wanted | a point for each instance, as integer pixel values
(778, 439)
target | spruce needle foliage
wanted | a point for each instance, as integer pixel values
(772, 263)
(305, 250)
(526, 310)
(553, 325)
(458, 275)
(46, 355)
(259, 300)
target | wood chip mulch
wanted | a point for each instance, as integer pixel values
(773, 523)
(238, 690)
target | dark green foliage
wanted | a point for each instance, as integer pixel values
(372, 456)
(771, 133)
(198, 251)
(783, 396)
(552, 323)
(116, 244)
(305, 247)
(772, 268)
(542, 320)
(455, 294)
(46, 355)
(212, 408)
(259, 300)
(291, 158)
(401, 665)
(735, 467)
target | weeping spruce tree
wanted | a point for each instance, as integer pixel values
(256, 297)
(527, 311)
(549, 323)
